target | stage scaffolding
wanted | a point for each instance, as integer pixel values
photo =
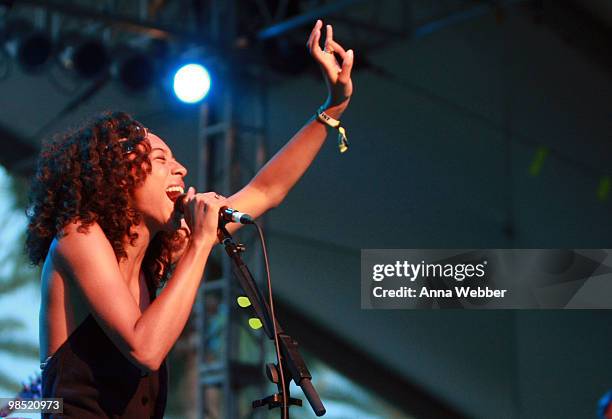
(230, 355)
(231, 148)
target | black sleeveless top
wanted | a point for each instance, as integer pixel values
(97, 381)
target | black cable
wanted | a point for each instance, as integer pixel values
(273, 315)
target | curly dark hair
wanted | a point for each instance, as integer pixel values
(86, 175)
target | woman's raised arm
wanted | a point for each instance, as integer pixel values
(272, 183)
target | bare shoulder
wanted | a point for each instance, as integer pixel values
(86, 258)
(79, 242)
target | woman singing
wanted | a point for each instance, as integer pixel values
(103, 222)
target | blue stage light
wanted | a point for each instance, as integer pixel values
(191, 83)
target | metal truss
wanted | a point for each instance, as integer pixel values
(365, 24)
(276, 29)
(230, 354)
(231, 144)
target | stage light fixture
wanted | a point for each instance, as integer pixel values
(34, 51)
(191, 83)
(87, 57)
(32, 48)
(136, 70)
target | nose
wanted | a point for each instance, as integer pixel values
(179, 169)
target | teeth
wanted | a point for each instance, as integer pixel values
(178, 189)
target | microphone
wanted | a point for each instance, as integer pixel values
(227, 215)
(230, 215)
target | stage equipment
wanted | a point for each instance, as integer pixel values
(30, 47)
(191, 83)
(87, 57)
(291, 365)
(135, 70)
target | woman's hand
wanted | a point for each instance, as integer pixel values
(201, 211)
(337, 76)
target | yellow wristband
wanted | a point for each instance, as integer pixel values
(334, 123)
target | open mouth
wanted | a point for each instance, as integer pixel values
(174, 192)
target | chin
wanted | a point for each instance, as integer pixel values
(173, 220)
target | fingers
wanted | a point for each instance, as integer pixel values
(316, 28)
(337, 48)
(311, 37)
(330, 43)
(211, 200)
(313, 40)
(207, 199)
(347, 65)
(202, 216)
(316, 46)
(327, 64)
(329, 37)
(347, 61)
(188, 196)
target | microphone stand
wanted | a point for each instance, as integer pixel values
(290, 358)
